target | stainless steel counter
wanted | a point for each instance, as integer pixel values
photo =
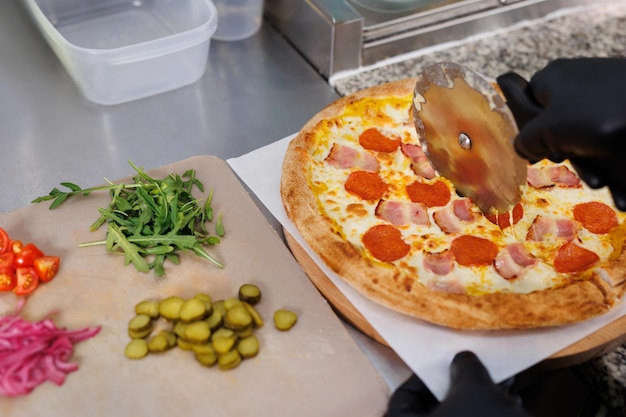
(253, 92)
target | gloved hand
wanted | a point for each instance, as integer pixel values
(471, 393)
(574, 109)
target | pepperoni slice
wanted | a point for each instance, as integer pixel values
(573, 258)
(385, 243)
(366, 185)
(596, 217)
(433, 195)
(473, 251)
(503, 220)
(374, 140)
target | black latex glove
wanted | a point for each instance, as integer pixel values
(471, 393)
(574, 109)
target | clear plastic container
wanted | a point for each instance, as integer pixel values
(122, 50)
(238, 19)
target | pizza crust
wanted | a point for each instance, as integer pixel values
(577, 301)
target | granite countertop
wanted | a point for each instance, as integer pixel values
(597, 30)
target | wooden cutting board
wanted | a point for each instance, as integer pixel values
(598, 343)
(315, 369)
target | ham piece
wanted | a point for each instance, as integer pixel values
(561, 228)
(454, 217)
(560, 176)
(439, 263)
(342, 156)
(513, 260)
(419, 161)
(402, 213)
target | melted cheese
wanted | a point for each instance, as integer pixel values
(353, 216)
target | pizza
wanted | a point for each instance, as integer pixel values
(360, 190)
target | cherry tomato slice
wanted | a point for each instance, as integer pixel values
(27, 256)
(7, 261)
(8, 280)
(5, 241)
(16, 246)
(27, 280)
(47, 267)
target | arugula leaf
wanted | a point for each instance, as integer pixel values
(151, 218)
(71, 186)
(117, 240)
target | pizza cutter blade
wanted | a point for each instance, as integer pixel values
(467, 132)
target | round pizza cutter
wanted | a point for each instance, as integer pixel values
(467, 132)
